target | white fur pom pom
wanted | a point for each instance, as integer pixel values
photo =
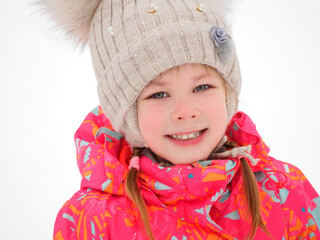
(73, 17)
(224, 9)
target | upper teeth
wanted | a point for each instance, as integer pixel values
(186, 136)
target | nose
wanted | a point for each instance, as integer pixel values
(184, 110)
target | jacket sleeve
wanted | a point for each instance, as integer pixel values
(302, 207)
(65, 225)
(82, 217)
(313, 210)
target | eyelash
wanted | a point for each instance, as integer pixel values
(196, 89)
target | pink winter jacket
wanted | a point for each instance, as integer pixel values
(204, 200)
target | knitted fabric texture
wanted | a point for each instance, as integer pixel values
(132, 42)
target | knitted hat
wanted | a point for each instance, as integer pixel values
(132, 42)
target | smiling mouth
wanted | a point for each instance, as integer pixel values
(183, 137)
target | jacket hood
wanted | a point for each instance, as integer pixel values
(103, 156)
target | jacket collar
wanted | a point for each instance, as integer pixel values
(205, 180)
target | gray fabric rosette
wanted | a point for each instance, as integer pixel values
(222, 41)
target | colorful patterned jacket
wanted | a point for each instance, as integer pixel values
(204, 200)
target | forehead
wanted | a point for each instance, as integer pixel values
(195, 71)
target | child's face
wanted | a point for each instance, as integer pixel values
(182, 117)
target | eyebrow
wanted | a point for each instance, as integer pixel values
(201, 76)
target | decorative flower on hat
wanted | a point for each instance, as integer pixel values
(219, 35)
(223, 43)
(153, 8)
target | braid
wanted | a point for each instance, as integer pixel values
(251, 194)
(134, 194)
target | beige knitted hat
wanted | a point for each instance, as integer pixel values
(133, 41)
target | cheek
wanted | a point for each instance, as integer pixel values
(222, 120)
(216, 102)
(148, 119)
(216, 110)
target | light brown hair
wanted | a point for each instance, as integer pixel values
(134, 194)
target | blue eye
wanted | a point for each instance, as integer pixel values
(159, 95)
(201, 88)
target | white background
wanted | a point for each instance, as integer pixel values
(47, 88)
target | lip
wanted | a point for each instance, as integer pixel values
(188, 142)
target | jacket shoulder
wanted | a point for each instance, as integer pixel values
(82, 216)
(300, 202)
(292, 175)
(292, 179)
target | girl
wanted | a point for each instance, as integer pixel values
(166, 155)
